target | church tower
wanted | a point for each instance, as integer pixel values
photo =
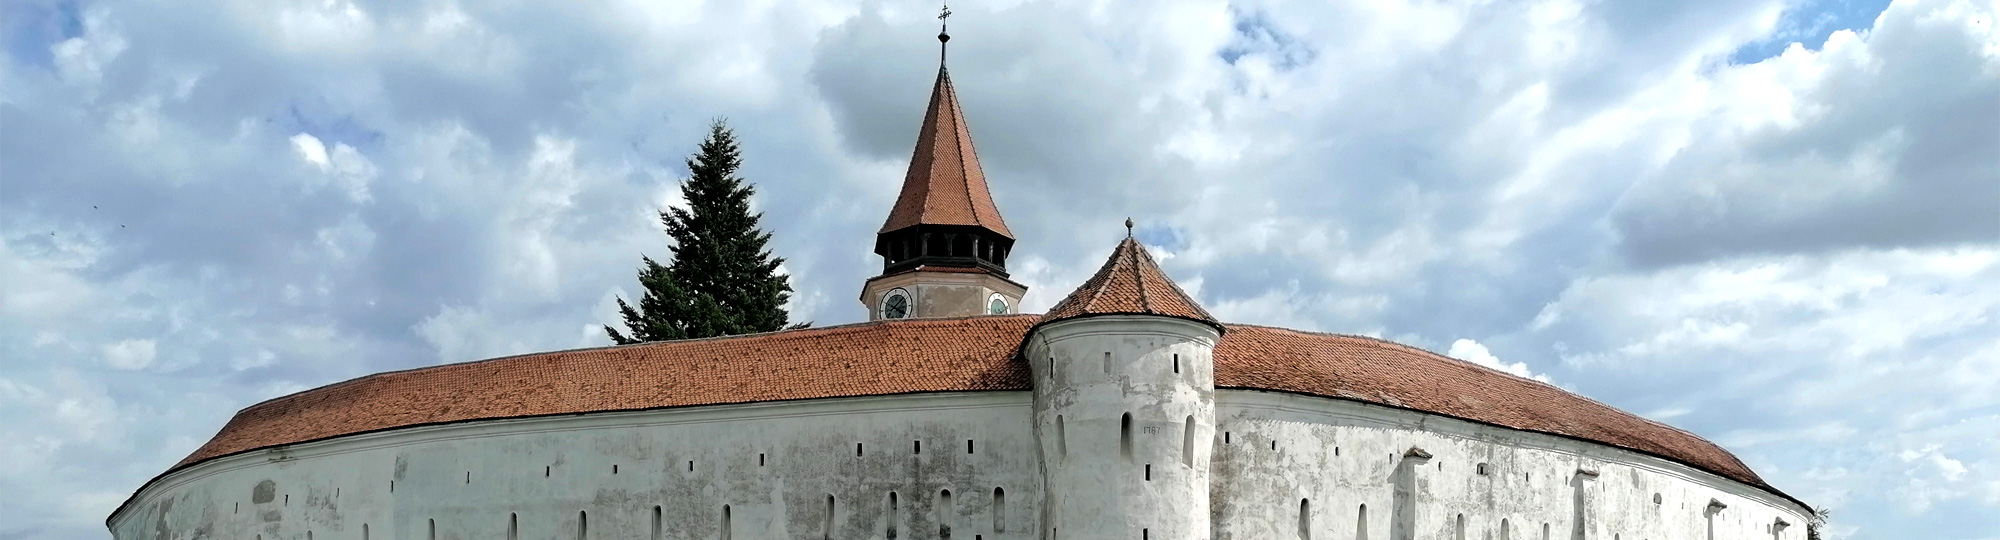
(944, 247)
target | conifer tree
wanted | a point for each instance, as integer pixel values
(721, 279)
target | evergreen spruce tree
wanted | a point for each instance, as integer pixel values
(721, 280)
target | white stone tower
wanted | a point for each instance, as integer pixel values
(1124, 406)
(944, 247)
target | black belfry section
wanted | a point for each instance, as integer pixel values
(951, 246)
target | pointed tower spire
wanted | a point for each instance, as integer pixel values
(945, 185)
(944, 230)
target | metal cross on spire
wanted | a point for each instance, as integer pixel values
(943, 37)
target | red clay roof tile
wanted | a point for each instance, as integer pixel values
(1129, 283)
(945, 185)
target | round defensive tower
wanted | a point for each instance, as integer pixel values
(1124, 403)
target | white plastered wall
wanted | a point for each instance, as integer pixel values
(1340, 455)
(471, 477)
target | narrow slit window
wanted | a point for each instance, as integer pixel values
(690, 466)
(364, 532)
(760, 460)
(582, 525)
(1361, 524)
(514, 527)
(891, 532)
(826, 529)
(1107, 362)
(944, 513)
(1062, 441)
(655, 531)
(999, 510)
(857, 449)
(724, 530)
(1305, 519)
(968, 446)
(432, 528)
(1125, 436)
(916, 447)
(1177, 363)
(1187, 443)
(1149, 472)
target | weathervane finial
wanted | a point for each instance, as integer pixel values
(1128, 227)
(943, 37)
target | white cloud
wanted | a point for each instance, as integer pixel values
(1475, 353)
(130, 354)
(311, 150)
(82, 59)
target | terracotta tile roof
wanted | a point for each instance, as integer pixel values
(945, 185)
(927, 355)
(1129, 283)
(1385, 373)
(923, 355)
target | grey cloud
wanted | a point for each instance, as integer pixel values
(1893, 148)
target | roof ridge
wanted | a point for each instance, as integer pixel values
(1145, 301)
(957, 119)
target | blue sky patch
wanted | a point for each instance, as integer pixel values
(1255, 34)
(1810, 23)
(32, 30)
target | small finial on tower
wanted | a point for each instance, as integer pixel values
(943, 37)
(1128, 227)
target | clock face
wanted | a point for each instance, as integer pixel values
(896, 304)
(996, 306)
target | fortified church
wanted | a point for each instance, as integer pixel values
(1126, 412)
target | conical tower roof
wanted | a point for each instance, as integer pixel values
(1129, 283)
(945, 185)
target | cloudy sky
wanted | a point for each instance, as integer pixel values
(1775, 223)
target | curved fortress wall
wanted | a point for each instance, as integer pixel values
(1260, 465)
(1289, 466)
(879, 467)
